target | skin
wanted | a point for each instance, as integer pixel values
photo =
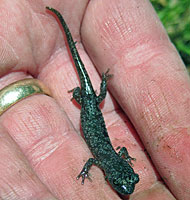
(41, 147)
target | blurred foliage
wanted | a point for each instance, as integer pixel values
(175, 15)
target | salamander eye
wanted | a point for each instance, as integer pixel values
(115, 181)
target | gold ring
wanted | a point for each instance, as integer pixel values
(19, 90)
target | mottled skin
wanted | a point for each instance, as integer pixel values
(117, 166)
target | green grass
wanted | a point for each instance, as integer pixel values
(175, 15)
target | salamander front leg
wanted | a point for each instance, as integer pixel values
(84, 173)
(124, 153)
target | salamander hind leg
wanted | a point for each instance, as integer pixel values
(124, 153)
(84, 172)
(76, 94)
(103, 86)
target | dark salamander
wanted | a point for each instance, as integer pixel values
(117, 166)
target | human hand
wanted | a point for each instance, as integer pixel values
(41, 149)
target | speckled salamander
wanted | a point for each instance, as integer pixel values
(117, 166)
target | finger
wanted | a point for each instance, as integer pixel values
(20, 22)
(17, 177)
(150, 81)
(27, 37)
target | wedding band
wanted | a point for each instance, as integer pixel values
(15, 92)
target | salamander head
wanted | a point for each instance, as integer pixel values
(122, 178)
(124, 184)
